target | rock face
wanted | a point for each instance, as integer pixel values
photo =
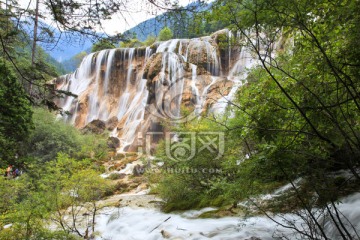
(96, 126)
(138, 170)
(113, 142)
(129, 91)
(111, 123)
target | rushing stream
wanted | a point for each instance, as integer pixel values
(129, 223)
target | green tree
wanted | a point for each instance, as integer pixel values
(74, 188)
(295, 116)
(102, 45)
(190, 183)
(51, 136)
(151, 39)
(48, 194)
(131, 43)
(165, 34)
(15, 115)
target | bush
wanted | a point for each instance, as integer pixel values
(151, 39)
(165, 34)
(41, 196)
(52, 136)
(132, 43)
(102, 45)
(115, 176)
(189, 183)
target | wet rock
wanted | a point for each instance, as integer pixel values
(217, 90)
(165, 234)
(204, 55)
(153, 66)
(221, 87)
(113, 142)
(138, 170)
(253, 238)
(111, 123)
(95, 126)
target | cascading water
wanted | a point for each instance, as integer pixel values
(134, 85)
(138, 86)
(238, 74)
(142, 223)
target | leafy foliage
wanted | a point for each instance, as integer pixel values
(131, 43)
(297, 115)
(51, 136)
(165, 34)
(44, 193)
(15, 114)
(102, 45)
(190, 182)
(151, 39)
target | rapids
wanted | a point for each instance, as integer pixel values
(130, 223)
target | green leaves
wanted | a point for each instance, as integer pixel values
(102, 44)
(165, 34)
(15, 114)
(51, 136)
(43, 195)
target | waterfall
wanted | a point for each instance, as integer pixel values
(195, 90)
(94, 96)
(135, 85)
(238, 74)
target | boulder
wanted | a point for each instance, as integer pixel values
(111, 123)
(138, 170)
(113, 142)
(96, 126)
(153, 66)
(165, 234)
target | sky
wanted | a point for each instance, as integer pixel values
(131, 13)
(137, 12)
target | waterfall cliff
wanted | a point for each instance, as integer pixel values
(132, 89)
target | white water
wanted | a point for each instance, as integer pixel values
(146, 224)
(195, 90)
(171, 75)
(73, 85)
(94, 104)
(110, 83)
(238, 75)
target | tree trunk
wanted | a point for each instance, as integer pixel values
(33, 51)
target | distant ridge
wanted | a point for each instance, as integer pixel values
(60, 45)
(153, 25)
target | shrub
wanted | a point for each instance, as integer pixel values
(51, 136)
(165, 34)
